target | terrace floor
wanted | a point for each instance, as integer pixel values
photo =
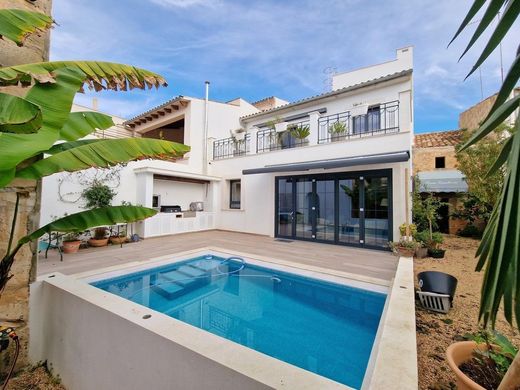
(363, 262)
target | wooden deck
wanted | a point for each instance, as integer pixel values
(364, 262)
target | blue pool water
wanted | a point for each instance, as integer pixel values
(321, 327)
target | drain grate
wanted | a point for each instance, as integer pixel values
(283, 240)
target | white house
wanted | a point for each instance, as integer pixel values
(332, 168)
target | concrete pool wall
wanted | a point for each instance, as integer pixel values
(94, 339)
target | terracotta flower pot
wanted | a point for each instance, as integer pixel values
(406, 252)
(117, 240)
(459, 353)
(97, 243)
(71, 246)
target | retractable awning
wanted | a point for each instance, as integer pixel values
(332, 163)
(443, 180)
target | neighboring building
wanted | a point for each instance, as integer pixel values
(345, 180)
(435, 164)
(471, 118)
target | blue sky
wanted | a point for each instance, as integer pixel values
(255, 49)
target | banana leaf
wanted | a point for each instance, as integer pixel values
(102, 154)
(19, 116)
(80, 124)
(16, 24)
(91, 218)
(99, 75)
(55, 102)
(61, 147)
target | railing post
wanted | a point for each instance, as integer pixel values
(253, 140)
(314, 127)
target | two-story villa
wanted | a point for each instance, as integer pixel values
(331, 168)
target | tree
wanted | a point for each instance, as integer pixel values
(476, 161)
(32, 125)
(499, 249)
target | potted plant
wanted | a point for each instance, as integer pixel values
(337, 130)
(98, 194)
(300, 132)
(71, 243)
(404, 247)
(118, 238)
(431, 207)
(482, 361)
(100, 237)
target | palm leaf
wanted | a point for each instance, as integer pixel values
(497, 118)
(502, 157)
(102, 154)
(506, 21)
(500, 246)
(87, 219)
(99, 75)
(477, 5)
(54, 101)
(80, 124)
(19, 116)
(16, 24)
(491, 11)
(512, 77)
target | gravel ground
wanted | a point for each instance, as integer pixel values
(435, 332)
(34, 378)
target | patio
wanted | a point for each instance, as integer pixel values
(379, 266)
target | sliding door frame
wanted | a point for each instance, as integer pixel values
(336, 176)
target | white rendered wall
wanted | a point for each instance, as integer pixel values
(403, 61)
(177, 193)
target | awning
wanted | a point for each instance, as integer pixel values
(332, 163)
(442, 181)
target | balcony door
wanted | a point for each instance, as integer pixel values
(340, 208)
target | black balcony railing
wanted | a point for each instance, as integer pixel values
(379, 119)
(296, 135)
(231, 147)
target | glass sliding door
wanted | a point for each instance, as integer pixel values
(285, 207)
(376, 194)
(341, 208)
(349, 224)
(304, 209)
(325, 210)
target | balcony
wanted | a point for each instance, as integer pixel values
(231, 147)
(294, 136)
(360, 122)
(379, 119)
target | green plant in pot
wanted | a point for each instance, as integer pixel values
(431, 241)
(300, 132)
(99, 238)
(431, 206)
(117, 238)
(404, 247)
(337, 130)
(71, 242)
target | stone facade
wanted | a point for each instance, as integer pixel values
(473, 116)
(424, 158)
(427, 148)
(14, 298)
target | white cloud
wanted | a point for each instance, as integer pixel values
(185, 3)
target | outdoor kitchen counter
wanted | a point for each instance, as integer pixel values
(163, 224)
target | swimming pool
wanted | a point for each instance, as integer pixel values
(322, 327)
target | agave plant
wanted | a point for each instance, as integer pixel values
(39, 136)
(499, 249)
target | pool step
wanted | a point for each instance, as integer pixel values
(176, 283)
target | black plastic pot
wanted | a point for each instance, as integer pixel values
(437, 282)
(436, 253)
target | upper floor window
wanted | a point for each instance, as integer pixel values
(367, 123)
(234, 194)
(440, 162)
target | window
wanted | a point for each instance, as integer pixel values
(440, 162)
(234, 194)
(367, 123)
(156, 201)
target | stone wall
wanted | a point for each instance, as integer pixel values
(14, 299)
(473, 116)
(424, 158)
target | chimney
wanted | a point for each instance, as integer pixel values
(95, 105)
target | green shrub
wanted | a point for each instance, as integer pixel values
(98, 195)
(470, 231)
